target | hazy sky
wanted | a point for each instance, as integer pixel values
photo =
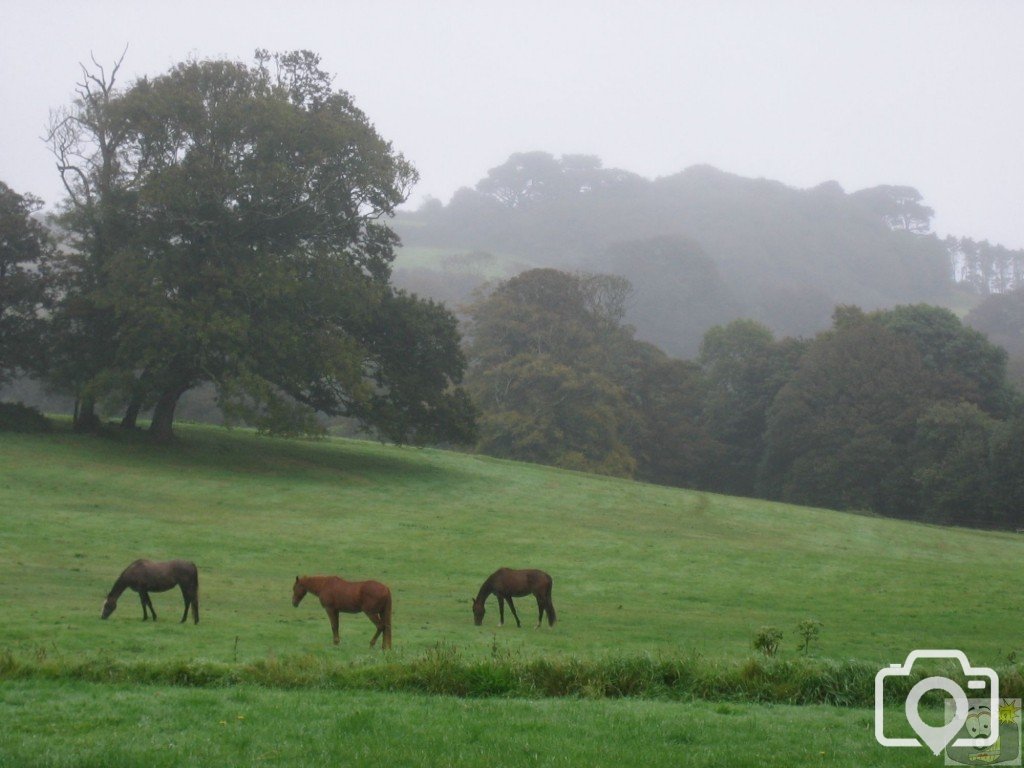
(924, 93)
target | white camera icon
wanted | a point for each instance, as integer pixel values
(937, 738)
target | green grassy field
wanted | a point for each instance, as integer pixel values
(52, 724)
(639, 571)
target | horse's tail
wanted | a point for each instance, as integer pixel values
(387, 621)
(194, 578)
(551, 606)
(195, 601)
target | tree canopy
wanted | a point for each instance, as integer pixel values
(559, 379)
(228, 227)
(25, 250)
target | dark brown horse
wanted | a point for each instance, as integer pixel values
(145, 576)
(340, 596)
(507, 583)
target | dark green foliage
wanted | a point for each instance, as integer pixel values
(668, 434)
(767, 640)
(962, 362)
(950, 459)
(15, 417)
(837, 431)
(445, 671)
(895, 412)
(25, 250)
(809, 631)
(1005, 492)
(536, 375)
(744, 367)
(559, 380)
(243, 245)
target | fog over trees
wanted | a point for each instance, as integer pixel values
(700, 247)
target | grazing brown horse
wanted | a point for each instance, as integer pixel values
(507, 583)
(145, 576)
(340, 596)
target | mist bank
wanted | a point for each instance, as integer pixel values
(701, 247)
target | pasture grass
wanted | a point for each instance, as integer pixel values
(659, 594)
(62, 724)
(638, 569)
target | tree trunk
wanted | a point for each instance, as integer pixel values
(163, 415)
(131, 415)
(86, 419)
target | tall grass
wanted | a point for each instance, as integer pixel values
(443, 670)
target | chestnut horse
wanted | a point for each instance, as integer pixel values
(145, 576)
(340, 596)
(507, 583)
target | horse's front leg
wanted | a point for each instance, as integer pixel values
(514, 614)
(540, 612)
(188, 602)
(501, 611)
(149, 602)
(333, 616)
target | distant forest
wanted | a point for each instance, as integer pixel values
(700, 248)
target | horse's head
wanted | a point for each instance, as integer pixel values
(108, 607)
(478, 612)
(298, 592)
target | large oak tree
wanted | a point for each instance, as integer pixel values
(249, 249)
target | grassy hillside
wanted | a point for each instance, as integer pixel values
(637, 569)
(649, 582)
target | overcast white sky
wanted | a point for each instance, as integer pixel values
(925, 93)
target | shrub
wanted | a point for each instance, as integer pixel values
(767, 640)
(17, 417)
(809, 630)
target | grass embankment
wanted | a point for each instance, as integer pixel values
(444, 671)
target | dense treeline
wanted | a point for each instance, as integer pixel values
(224, 226)
(904, 412)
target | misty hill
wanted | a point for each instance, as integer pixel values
(700, 247)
